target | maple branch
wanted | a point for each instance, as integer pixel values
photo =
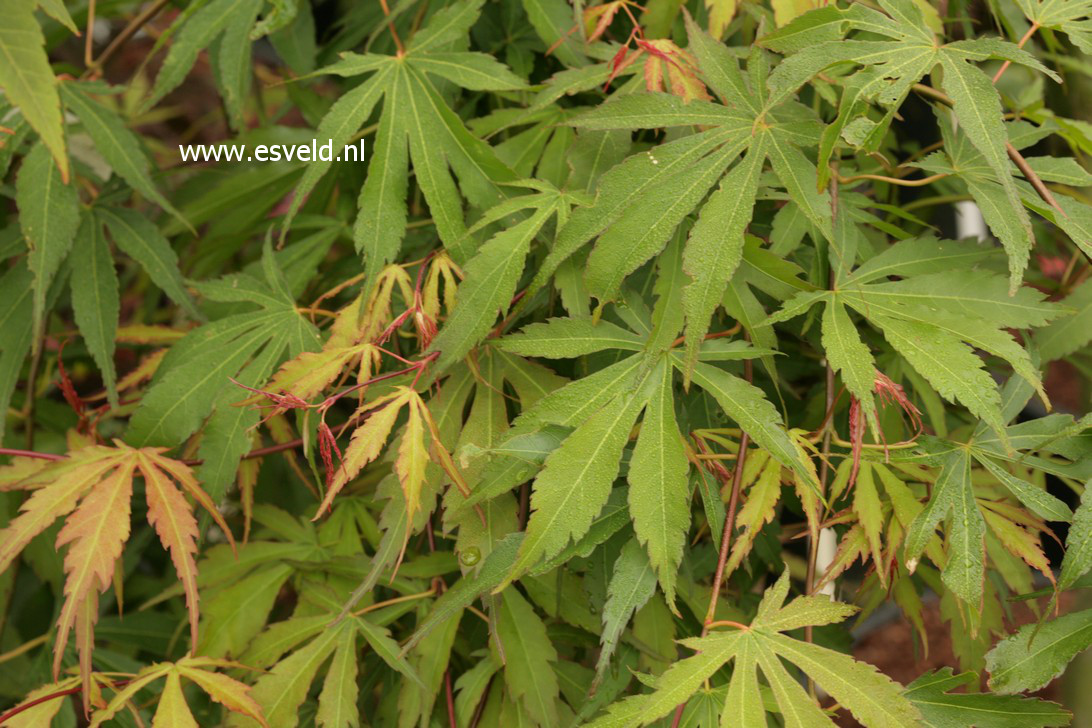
(1014, 155)
(726, 534)
(89, 41)
(1036, 182)
(397, 600)
(895, 180)
(1027, 36)
(123, 37)
(46, 698)
(29, 454)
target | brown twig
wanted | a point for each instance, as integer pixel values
(1014, 155)
(895, 180)
(725, 537)
(1027, 36)
(89, 41)
(123, 37)
(1036, 182)
(29, 454)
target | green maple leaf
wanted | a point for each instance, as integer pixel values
(416, 125)
(934, 317)
(641, 202)
(247, 344)
(1068, 16)
(598, 412)
(969, 511)
(873, 698)
(891, 67)
(941, 708)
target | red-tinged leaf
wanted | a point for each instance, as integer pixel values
(312, 371)
(123, 696)
(184, 475)
(597, 19)
(21, 468)
(866, 503)
(97, 532)
(57, 498)
(33, 714)
(412, 462)
(173, 520)
(367, 442)
(86, 616)
(682, 69)
(232, 694)
(1019, 542)
(757, 511)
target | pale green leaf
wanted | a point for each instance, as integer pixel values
(28, 81)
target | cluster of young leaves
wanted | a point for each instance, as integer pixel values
(484, 406)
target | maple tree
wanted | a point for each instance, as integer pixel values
(630, 362)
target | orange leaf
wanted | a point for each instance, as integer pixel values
(232, 694)
(173, 520)
(367, 441)
(57, 498)
(97, 530)
(411, 463)
(182, 473)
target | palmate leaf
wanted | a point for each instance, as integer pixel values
(94, 485)
(172, 709)
(603, 408)
(872, 697)
(186, 388)
(414, 116)
(294, 652)
(631, 228)
(935, 321)
(968, 516)
(892, 67)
